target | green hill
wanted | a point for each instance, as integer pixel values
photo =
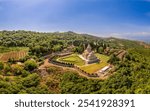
(34, 74)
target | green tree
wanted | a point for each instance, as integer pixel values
(113, 59)
(30, 65)
(1, 65)
(7, 68)
(31, 80)
(57, 48)
(17, 69)
(100, 50)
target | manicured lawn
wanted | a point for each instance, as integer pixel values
(91, 68)
(102, 57)
(74, 58)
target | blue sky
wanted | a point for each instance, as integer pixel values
(120, 18)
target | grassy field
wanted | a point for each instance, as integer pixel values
(102, 57)
(10, 49)
(91, 68)
(74, 58)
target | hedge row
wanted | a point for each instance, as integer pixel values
(64, 64)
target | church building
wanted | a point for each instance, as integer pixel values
(89, 55)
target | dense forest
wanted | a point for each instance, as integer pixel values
(131, 73)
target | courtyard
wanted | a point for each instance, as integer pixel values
(90, 68)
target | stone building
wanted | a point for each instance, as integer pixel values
(89, 55)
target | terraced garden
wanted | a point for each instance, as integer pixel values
(14, 53)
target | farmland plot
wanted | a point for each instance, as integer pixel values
(15, 55)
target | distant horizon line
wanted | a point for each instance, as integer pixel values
(96, 35)
(86, 33)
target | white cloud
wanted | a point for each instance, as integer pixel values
(141, 36)
(131, 34)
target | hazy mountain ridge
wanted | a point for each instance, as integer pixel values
(8, 36)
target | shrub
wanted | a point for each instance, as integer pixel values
(7, 68)
(8, 74)
(1, 65)
(31, 80)
(25, 73)
(30, 65)
(17, 69)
